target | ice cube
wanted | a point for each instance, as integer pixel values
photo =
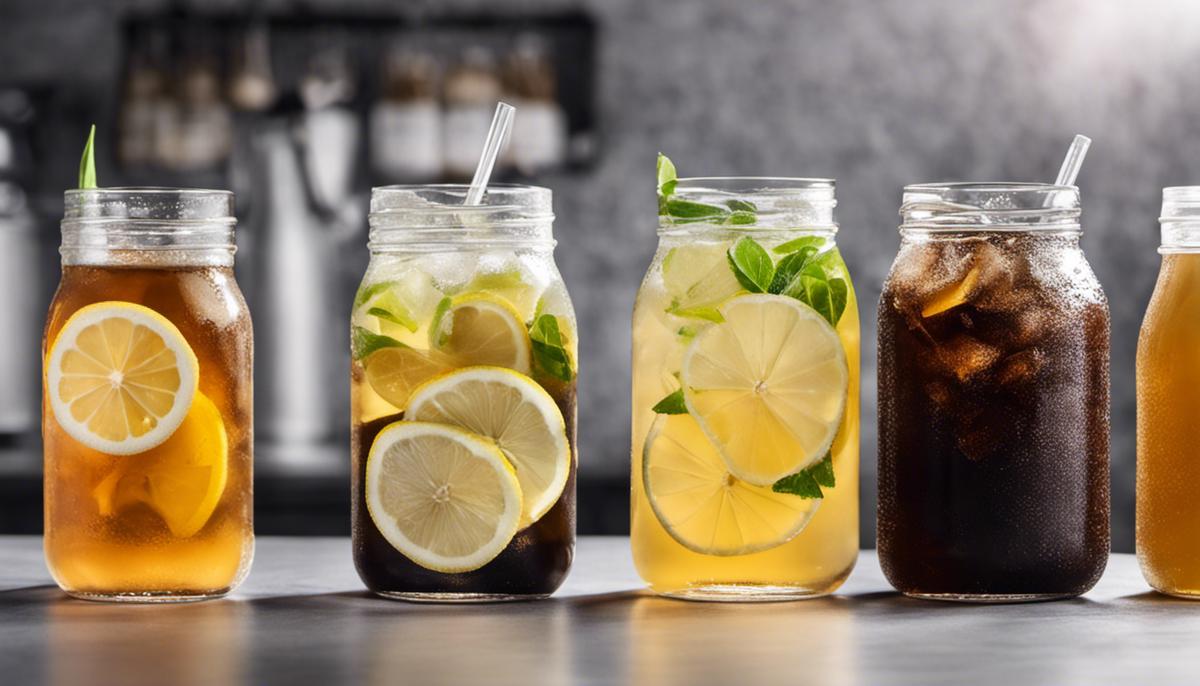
(964, 357)
(1021, 367)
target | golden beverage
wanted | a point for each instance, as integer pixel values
(1168, 393)
(722, 370)
(147, 413)
(463, 387)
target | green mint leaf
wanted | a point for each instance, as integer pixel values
(87, 163)
(742, 218)
(400, 318)
(363, 342)
(666, 176)
(437, 338)
(789, 268)
(807, 483)
(838, 295)
(799, 243)
(548, 349)
(736, 205)
(751, 265)
(822, 471)
(688, 332)
(800, 484)
(689, 210)
(672, 404)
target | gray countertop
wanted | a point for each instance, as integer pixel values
(302, 617)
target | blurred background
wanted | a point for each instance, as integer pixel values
(355, 93)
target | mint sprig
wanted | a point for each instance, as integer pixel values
(735, 212)
(549, 351)
(672, 404)
(807, 483)
(87, 163)
(751, 265)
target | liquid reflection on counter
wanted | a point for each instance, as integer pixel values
(181, 645)
(469, 644)
(674, 643)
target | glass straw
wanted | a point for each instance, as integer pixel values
(1073, 160)
(501, 125)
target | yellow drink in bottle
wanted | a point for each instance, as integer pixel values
(1168, 393)
(745, 395)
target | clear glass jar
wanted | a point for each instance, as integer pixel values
(1168, 391)
(745, 396)
(147, 422)
(993, 398)
(464, 340)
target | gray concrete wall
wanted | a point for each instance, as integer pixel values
(875, 94)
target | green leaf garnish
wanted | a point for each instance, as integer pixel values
(742, 218)
(751, 264)
(789, 268)
(710, 314)
(741, 206)
(798, 243)
(687, 209)
(549, 351)
(808, 482)
(672, 404)
(87, 163)
(666, 176)
(688, 332)
(364, 342)
(367, 292)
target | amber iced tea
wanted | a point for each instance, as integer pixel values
(147, 423)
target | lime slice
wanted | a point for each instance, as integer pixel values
(705, 507)
(768, 386)
(481, 329)
(446, 499)
(517, 414)
(698, 279)
(120, 377)
(512, 285)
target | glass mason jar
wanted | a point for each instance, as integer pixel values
(993, 398)
(463, 394)
(1168, 392)
(745, 396)
(147, 421)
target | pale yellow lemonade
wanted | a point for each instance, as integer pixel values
(769, 390)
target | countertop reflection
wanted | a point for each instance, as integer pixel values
(302, 617)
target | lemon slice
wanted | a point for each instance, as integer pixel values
(698, 279)
(703, 506)
(446, 499)
(481, 329)
(120, 377)
(182, 479)
(394, 372)
(768, 386)
(516, 413)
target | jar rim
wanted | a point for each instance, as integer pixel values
(532, 202)
(990, 206)
(149, 204)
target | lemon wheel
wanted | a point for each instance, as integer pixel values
(767, 386)
(120, 377)
(481, 329)
(514, 412)
(705, 507)
(445, 498)
(394, 372)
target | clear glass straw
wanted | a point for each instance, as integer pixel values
(501, 125)
(1073, 160)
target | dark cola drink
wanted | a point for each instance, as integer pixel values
(993, 409)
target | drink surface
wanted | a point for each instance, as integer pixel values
(1168, 391)
(174, 519)
(450, 339)
(698, 530)
(993, 417)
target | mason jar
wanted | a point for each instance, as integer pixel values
(1168, 392)
(993, 398)
(745, 395)
(147, 420)
(463, 386)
